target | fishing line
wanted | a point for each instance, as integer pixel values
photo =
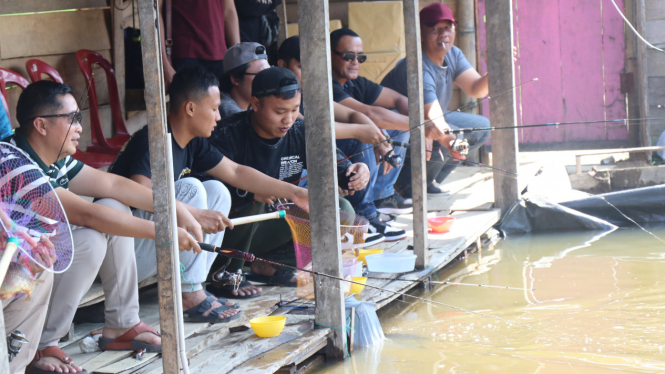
(455, 283)
(632, 28)
(83, 96)
(233, 253)
(630, 219)
(557, 124)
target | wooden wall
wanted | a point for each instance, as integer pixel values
(54, 38)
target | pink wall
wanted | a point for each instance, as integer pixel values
(576, 50)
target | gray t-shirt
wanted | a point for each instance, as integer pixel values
(437, 80)
(228, 107)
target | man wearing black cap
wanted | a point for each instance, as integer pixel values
(443, 65)
(241, 64)
(271, 138)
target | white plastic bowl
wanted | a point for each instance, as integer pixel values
(391, 262)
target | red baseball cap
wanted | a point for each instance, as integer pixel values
(435, 13)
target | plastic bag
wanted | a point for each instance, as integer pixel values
(367, 327)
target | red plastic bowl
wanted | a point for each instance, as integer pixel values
(441, 224)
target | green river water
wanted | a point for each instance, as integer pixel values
(598, 307)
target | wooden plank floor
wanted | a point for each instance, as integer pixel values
(234, 348)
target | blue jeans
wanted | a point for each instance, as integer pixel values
(384, 182)
(362, 201)
(437, 168)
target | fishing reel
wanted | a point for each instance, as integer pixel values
(461, 146)
(15, 341)
(226, 278)
(392, 158)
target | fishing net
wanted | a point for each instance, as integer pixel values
(31, 211)
(352, 230)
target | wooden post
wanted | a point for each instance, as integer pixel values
(466, 34)
(4, 358)
(283, 30)
(162, 182)
(324, 215)
(414, 76)
(501, 71)
(642, 74)
(118, 36)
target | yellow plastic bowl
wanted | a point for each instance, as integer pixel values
(367, 252)
(268, 327)
(356, 288)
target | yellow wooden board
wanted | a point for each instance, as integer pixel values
(380, 24)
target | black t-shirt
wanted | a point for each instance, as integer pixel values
(134, 158)
(281, 158)
(249, 17)
(361, 89)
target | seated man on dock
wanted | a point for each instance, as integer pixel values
(241, 64)
(387, 108)
(271, 138)
(443, 65)
(192, 117)
(354, 131)
(103, 232)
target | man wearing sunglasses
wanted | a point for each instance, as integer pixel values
(443, 66)
(103, 232)
(386, 107)
(241, 64)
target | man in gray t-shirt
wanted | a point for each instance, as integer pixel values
(443, 65)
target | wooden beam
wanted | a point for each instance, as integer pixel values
(283, 30)
(501, 71)
(324, 214)
(4, 358)
(642, 74)
(414, 76)
(162, 182)
(30, 6)
(118, 40)
(466, 36)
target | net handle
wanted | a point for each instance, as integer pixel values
(10, 251)
(258, 218)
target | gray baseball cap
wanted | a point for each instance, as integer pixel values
(243, 53)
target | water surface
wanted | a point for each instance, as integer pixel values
(598, 307)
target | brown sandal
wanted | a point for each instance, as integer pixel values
(53, 351)
(126, 341)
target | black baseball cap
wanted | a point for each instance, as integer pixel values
(274, 81)
(290, 49)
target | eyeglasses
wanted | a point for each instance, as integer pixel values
(350, 56)
(73, 117)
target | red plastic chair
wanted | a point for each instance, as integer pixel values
(9, 77)
(100, 144)
(35, 70)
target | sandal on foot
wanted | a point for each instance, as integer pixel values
(223, 300)
(281, 278)
(53, 351)
(195, 314)
(227, 291)
(126, 341)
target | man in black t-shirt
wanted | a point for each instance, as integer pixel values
(271, 138)
(192, 117)
(387, 108)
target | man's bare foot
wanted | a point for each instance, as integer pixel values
(247, 290)
(192, 299)
(267, 270)
(55, 365)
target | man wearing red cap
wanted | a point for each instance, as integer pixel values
(443, 65)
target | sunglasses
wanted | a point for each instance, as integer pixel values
(73, 117)
(350, 56)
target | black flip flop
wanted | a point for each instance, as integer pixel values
(222, 300)
(195, 314)
(227, 291)
(281, 278)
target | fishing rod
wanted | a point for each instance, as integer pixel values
(245, 256)
(455, 284)
(551, 124)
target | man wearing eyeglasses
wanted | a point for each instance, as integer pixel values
(386, 107)
(241, 64)
(443, 65)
